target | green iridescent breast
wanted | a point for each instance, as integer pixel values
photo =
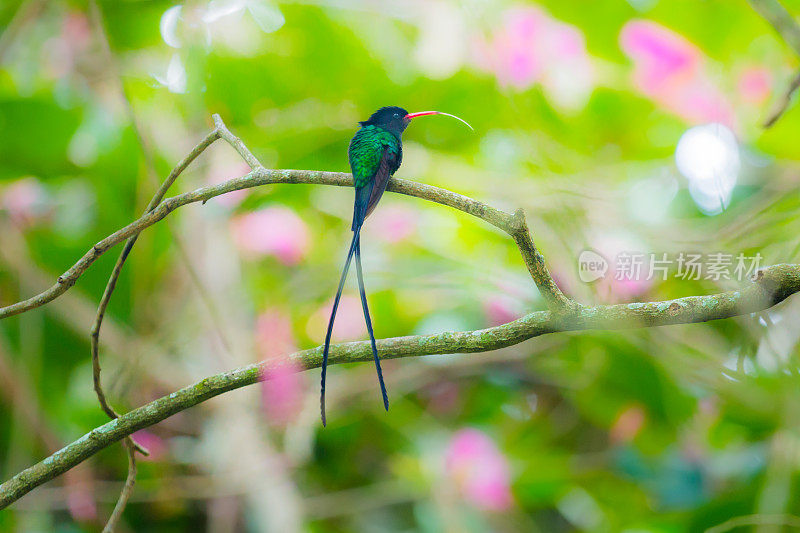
(366, 149)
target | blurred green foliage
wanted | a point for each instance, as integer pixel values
(668, 429)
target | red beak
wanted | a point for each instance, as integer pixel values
(423, 113)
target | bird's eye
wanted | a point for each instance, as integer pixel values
(397, 115)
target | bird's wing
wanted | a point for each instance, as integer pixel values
(365, 154)
(388, 164)
(374, 156)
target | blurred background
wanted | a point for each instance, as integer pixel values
(621, 127)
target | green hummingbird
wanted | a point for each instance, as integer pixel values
(375, 154)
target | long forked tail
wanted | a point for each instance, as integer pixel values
(369, 322)
(325, 350)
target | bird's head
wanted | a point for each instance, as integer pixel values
(390, 118)
(396, 119)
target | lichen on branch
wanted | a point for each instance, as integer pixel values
(771, 286)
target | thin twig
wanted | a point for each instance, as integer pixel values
(17, 391)
(785, 24)
(780, 19)
(214, 319)
(784, 102)
(261, 176)
(756, 520)
(74, 309)
(537, 267)
(771, 286)
(129, 443)
(127, 489)
(112, 281)
(114, 277)
(236, 142)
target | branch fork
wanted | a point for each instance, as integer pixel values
(771, 286)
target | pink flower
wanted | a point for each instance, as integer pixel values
(622, 290)
(628, 273)
(755, 85)
(627, 425)
(62, 52)
(671, 71)
(531, 47)
(617, 287)
(79, 486)
(479, 469)
(81, 504)
(226, 164)
(500, 309)
(516, 47)
(659, 54)
(393, 223)
(276, 231)
(274, 337)
(25, 200)
(569, 77)
(349, 325)
(154, 444)
(282, 389)
(76, 30)
(444, 398)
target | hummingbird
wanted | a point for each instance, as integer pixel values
(375, 154)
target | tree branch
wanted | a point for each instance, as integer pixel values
(786, 26)
(127, 489)
(123, 256)
(780, 19)
(130, 445)
(771, 286)
(514, 225)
